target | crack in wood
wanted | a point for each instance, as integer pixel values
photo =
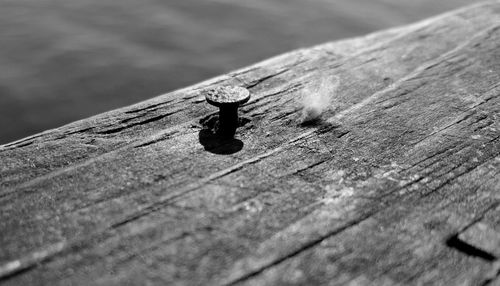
(146, 121)
(264, 79)
(310, 244)
(467, 249)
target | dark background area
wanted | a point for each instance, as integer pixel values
(65, 60)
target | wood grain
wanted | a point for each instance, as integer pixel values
(399, 183)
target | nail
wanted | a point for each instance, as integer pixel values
(228, 99)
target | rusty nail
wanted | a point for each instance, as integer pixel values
(228, 99)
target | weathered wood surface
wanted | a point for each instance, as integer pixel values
(400, 184)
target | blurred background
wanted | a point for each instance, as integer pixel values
(63, 60)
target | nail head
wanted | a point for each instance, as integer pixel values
(227, 95)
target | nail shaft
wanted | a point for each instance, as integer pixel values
(228, 120)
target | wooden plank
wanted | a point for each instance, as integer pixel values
(397, 184)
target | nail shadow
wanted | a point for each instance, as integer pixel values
(217, 144)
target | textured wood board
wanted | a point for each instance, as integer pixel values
(399, 184)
